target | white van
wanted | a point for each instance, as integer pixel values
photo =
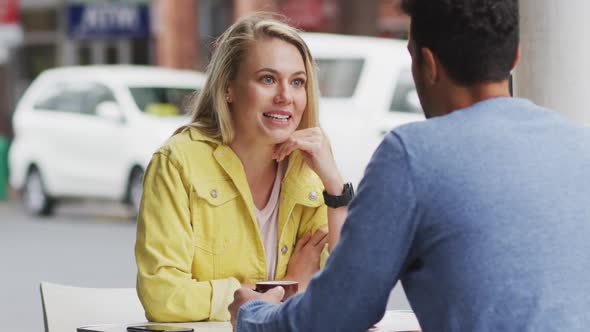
(89, 132)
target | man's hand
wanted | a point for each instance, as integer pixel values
(243, 295)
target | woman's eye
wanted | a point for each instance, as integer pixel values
(298, 82)
(267, 79)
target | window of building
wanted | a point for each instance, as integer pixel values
(112, 54)
(84, 54)
(140, 51)
(37, 58)
(39, 19)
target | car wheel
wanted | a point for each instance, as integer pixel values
(35, 198)
(135, 189)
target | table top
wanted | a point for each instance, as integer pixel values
(393, 321)
(197, 326)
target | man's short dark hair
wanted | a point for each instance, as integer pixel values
(475, 40)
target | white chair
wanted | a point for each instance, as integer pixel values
(66, 308)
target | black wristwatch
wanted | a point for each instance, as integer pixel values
(342, 200)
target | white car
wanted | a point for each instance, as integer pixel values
(90, 131)
(367, 90)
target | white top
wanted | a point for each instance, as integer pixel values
(268, 224)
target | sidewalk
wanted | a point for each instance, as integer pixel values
(100, 210)
(8, 207)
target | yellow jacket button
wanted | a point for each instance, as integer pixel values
(284, 249)
(213, 193)
(313, 195)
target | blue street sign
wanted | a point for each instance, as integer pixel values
(108, 20)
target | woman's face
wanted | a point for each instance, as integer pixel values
(267, 98)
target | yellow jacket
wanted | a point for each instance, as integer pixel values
(197, 234)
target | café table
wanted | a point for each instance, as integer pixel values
(393, 321)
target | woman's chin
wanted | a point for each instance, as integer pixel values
(275, 140)
(279, 136)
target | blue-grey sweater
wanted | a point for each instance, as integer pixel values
(484, 215)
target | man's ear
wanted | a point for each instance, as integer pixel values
(431, 65)
(516, 57)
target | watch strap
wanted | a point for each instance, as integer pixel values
(336, 201)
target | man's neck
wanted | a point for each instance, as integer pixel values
(459, 97)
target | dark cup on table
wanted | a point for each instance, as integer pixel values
(290, 287)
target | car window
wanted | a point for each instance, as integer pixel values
(62, 98)
(405, 98)
(338, 78)
(50, 97)
(96, 94)
(162, 101)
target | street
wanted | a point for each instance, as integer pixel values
(81, 245)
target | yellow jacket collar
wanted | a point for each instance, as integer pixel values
(308, 193)
(196, 135)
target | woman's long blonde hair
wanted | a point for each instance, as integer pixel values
(211, 114)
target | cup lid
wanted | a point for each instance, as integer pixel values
(277, 282)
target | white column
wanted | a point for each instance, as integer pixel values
(68, 53)
(554, 70)
(98, 49)
(124, 51)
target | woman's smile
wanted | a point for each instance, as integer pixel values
(278, 118)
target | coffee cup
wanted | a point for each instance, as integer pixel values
(290, 287)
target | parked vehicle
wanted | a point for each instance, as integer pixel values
(367, 89)
(84, 132)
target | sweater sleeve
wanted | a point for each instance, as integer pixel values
(164, 252)
(351, 292)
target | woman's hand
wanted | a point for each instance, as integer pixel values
(316, 150)
(305, 260)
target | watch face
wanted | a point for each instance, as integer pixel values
(348, 189)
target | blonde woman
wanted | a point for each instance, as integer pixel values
(240, 194)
